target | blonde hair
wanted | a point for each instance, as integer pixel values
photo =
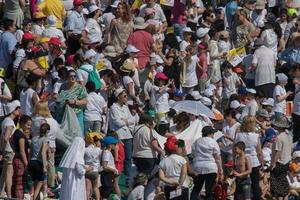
(41, 108)
(248, 124)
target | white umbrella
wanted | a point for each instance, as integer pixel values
(193, 107)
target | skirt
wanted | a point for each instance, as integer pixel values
(19, 178)
(278, 181)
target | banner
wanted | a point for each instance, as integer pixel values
(235, 56)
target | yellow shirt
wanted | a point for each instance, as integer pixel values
(54, 7)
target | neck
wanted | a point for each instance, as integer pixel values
(70, 85)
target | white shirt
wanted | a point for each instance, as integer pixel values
(224, 46)
(183, 45)
(159, 13)
(142, 138)
(4, 90)
(160, 100)
(250, 109)
(229, 131)
(94, 107)
(54, 32)
(125, 81)
(93, 30)
(92, 157)
(108, 157)
(232, 84)
(271, 39)
(279, 106)
(26, 101)
(7, 122)
(20, 55)
(191, 79)
(19, 35)
(137, 193)
(37, 29)
(203, 151)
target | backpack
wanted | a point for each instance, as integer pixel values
(220, 192)
(93, 76)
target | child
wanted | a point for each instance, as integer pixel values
(280, 95)
(293, 175)
(242, 171)
(230, 180)
(108, 165)
(231, 81)
(140, 181)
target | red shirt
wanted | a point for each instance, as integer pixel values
(121, 157)
(178, 13)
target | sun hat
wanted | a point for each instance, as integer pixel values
(260, 4)
(27, 36)
(54, 41)
(282, 78)
(250, 91)
(107, 140)
(131, 49)
(234, 104)
(78, 2)
(296, 154)
(115, 4)
(89, 54)
(51, 21)
(93, 8)
(161, 76)
(263, 113)
(127, 67)
(208, 92)
(12, 106)
(187, 30)
(201, 32)
(229, 164)
(110, 51)
(206, 101)
(196, 95)
(291, 12)
(118, 91)
(268, 102)
(282, 122)
(139, 23)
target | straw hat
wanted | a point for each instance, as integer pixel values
(127, 67)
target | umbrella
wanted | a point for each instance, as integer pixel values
(193, 107)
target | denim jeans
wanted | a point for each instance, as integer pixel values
(128, 158)
(92, 126)
(178, 30)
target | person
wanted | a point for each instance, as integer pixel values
(173, 171)
(8, 43)
(74, 169)
(39, 160)
(207, 163)
(5, 96)
(281, 156)
(251, 139)
(242, 171)
(73, 94)
(8, 127)
(296, 116)
(14, 11)
(120, 120)
(140, 181)
(53, 31)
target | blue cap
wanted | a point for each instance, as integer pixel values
(178, 93)
(107, 140)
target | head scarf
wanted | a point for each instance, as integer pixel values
(74, 154)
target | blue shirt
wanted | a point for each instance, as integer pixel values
(76, 22)
(7, 45)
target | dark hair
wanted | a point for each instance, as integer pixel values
(58, 61)
(241, 145)
(31, 79)
(90, 86)
(62, 72)
(113, 134)
(106, 72)
(24, 119)
(44, 129)
(71, 71)
(78, 58)
(8, 23)
(212, 33)
(283, 11)
(230, 112)
(219, 25)
(180, 143)
(206, 13)
(145, 119)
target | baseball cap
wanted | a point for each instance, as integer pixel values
(234, 104)
(131, 49)
(77, 2)
(118, 91)
(115, 4)
(93, 8)
(27, 36)
(251, 91)
(55, 41)
(230, 164)
(201, 32)
(107, 140)
(161, 76)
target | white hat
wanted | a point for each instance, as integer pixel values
(115, 4)
(234, 104)
(118, 91)
(201, 32)
(281, 77)
(139, 23)
(296, 154)
(268, 102)
(93, 8)
(12, 106)
(110, 51)
(208, 92)
(206, 101)
(159, 60)
(131, 49)
(89, 54)
(85, 11)
(211, 87)
(187, 30)
(251, 91)
(51, 20)
(196, 95)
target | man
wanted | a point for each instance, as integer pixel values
(264, 63)
(8, 43)
(120, 119)
(252, 107)
(75, 26)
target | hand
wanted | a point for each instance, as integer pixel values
(71, 101)
(175, 183)
(289, 93)
(235, 173)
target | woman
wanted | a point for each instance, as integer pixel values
(38, 162)
(173, 171)
(145, 146)
(14, 11)
(251, 139)
(8, 128)
(245, 32)
(73, 94)
(120, 28)
(272, 35)
(42, 115)
(73, 180)
(20, 161)
(207, 163)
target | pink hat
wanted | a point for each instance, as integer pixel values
(161, 76)
(70, 59)
(149, 11)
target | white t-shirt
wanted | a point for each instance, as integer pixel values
(203, 150)
(160, 101)
(229, 131)
(54, 32)
(250, 109)
(191, 79)
(108, 157)
(231, 87)
(26, 101)
(93, 30)
(94, 107)
(183, 45)
(271, 39)
(92, 157)
(6, 92)
(57, 86)
(172, 165)
(142, 138)
(279, 106)
(125, 81)
(20, 55)
(137, 193)
(7, 122)
(159, 13)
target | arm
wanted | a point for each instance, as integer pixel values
(259, 152)
(112, 25)
(183, 174)
(218, 160)
(106, 168)
(8, 133)
(22, 3)
(6, 96)
(44, 156)
(116, 118)
(131, 90)
(81, 169)
(163, 177)
(248, 168)
(23, 151)
(156, 147)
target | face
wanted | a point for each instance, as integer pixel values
(228, 118)
(237, 150)
(14, 28)
(123, 97)
(283, 17)
(211, 18)
(45, 46)
(79, 8)
(120, 9)
(72, 77)
(27, 126)
(27, 27)
(17, 112)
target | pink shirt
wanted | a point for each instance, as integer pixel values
(178, 13)
(143, 41)
(203, 63)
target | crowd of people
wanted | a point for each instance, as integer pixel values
(186, 99)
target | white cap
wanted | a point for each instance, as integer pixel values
(296, 154)
(281, 77)
(93, 8)
(118, 91)
(159, 60)
(206, 101)
(85, 11)
(89, 54)
(187, 30)
(234, 104)
(201, 32)
(11, 106)
(251, 91)
(208, 92)
(268, 102)
(51, 20)
(196, 95)
(115, 4)
(131, 49)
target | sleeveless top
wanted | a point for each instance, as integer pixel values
(120, 34)
(26, 101)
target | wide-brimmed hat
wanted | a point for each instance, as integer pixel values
(140, 179)
(161, 76)
(201, 32)
(196, 95)
(268, 102)
(12, 106)
(93, 8)
(282, 122)
(263, 113)
(139, 23)
(127, 67)
(260, 4)
(118, 91)
(110, 51)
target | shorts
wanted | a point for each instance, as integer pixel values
(36, 170)
(243, 187)
(8, 157)
(93, 176)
